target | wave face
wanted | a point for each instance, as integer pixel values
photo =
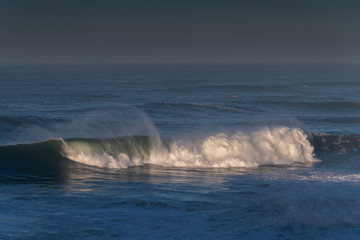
(280, 145)
(42, 158)
(110, 153)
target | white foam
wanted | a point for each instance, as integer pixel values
(280, 145)
(277, 145)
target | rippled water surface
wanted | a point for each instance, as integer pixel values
(179, 151)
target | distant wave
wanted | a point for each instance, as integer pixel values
(326, 105)
(219, 107)
(197, 106)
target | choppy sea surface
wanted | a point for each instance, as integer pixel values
(246, 151)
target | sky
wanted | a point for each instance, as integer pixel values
(197, 31)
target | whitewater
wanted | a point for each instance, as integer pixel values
(281, 145)
(247, 151)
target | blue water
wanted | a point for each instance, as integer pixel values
(179, 151)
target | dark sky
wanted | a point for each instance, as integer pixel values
(154, 31)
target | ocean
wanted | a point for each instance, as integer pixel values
(179, 151)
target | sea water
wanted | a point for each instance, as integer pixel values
(247, 151)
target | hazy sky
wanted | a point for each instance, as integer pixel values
(180, 31)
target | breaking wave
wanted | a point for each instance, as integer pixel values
(265, 146)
